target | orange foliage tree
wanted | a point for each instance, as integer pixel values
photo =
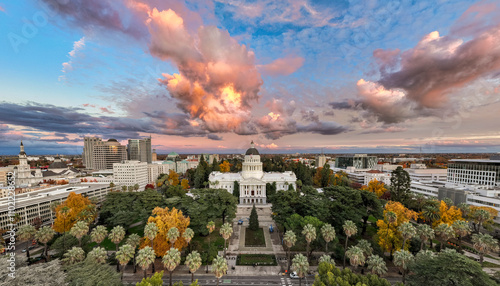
(185, 184)
(389, 237)
(72, 210)
(225, 167)
(448, 214)
(376, 187)
(166, 219)
(173, 178)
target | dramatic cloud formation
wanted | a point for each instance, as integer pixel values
(283, 66)
(422, 79)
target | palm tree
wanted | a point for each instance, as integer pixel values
(461, 229)
(219, 267)
(327, 258)
(98, 254)
(136, 187)
(193, 262)
(226, 231)
(64, 215)
(53, 206)
(328, 233)
(350, 229)
(377, 265)
(309, 232)
(444, 231)
(74, 255)
(79, 229)
(98, 234)
(425, 232)
(301, 266)
(26, 233)
(484, 243)
(134, 240)
(44, 235)
(479, 217)
(124, 188)
(188, 235)
(145, 257)
(356, 256)
(290, 239)
(407, 232)
(150, 231)
(211, 228)
(124, 255)
(431, 214)
(403, 258)
(366, 247)
(172, 235)
(116, 235)
(171, 260)
(424, 254)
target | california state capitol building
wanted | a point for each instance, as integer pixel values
(252, 180)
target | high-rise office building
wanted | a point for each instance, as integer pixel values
(98, 154)
(359, 161)
(140, 150)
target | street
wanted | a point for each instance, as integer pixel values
(234, 280)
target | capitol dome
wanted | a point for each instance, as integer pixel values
(252, 150)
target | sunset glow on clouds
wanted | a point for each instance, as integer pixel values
(296, 75)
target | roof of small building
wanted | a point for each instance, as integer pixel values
(173, 154)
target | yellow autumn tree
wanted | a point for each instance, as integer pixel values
(225, 166)
(448, 214)
(165, 219)
(185, 184)
(173, 178)
(389, 237)
(376, 187)
(73, 209)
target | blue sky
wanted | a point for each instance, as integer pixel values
(294, 75)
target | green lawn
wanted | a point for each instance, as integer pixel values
(490, 265)
(256, 259)
(255, 238)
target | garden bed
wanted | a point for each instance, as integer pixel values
(255, 238)
(256, 260)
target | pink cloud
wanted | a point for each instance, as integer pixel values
(2, 9)
(104, 109)
(283, 66)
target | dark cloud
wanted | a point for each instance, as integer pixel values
(323, 128)
(214, 137)
(349, 104)
(309, 115)
(106, 15)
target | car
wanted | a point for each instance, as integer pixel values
(294, 275)
(240, 222)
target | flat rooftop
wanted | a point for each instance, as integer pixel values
(476, 160)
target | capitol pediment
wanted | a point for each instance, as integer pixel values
(252, 180)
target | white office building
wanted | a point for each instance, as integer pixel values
(129, 173)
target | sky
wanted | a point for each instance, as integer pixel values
(304, 76)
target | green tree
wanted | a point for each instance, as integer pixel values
(124, 255)
(219, 267)
(461, 229)
(188, 235)
(366, 247)
(329, 275)
(425, 233)
(478, 218)
(236, 190)
(44, 235)
(400, 185)
(350, 229)
(447, 268)
(116, 235)
(290, 239)
(145, 257)
(444, 232)
(134, 240)
(254, 220)
(171, 260)
(78, 230)
(372, 206)
(74, 255)
(98, 234)
(155, 280)
(150, 231)
(403, 259)
(301, 266)
(326, 258)
(328, 233)
(98, 255)
(193, 262)
(226, 231)
(377, 265)
(407, 231)
(89, 273)
(356, 256)
(26, 233)
(484, 243)
(172, 235)
(215, 166)
(309, 233)
(199, 176)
